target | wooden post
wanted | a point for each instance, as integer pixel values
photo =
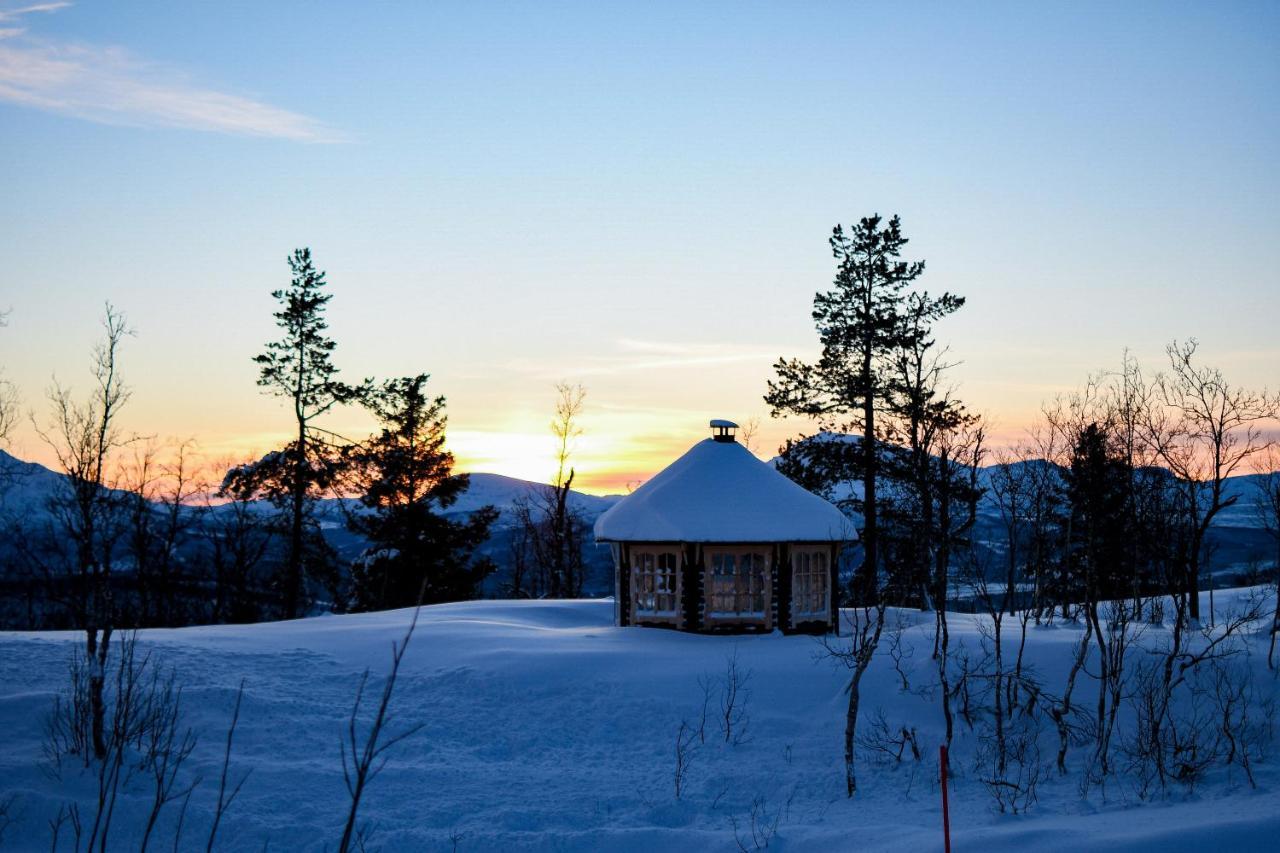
(946, 817)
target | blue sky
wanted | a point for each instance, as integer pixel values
(636, 197)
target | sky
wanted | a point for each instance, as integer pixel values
(634, 197)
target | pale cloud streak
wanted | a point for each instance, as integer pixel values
(112, 86)
(639, 355)
(15, 14)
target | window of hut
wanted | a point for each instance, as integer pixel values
(655, 582)
(810, 577)
(737, 583)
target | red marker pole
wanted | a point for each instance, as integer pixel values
(946, 816)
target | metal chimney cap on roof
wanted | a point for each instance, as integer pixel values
(722, 430)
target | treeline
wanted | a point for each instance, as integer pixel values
(139, 532)
(136, 533)
(1105, 508)
(1112, 493)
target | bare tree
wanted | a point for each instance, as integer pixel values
(992, 635)
(140, 481)
(707, 684)
(1267, 505)
(83, 437)
(8, 397)
(179, 519)
(749, 432)
(684, 749)
(1115, 636)
(238, 539)
(955, 493)
(889, 742)
(734, 694)
(1204, 431)
(144, 735)
(166, 747)
(550, 530)
(1060, 709)
(864, 637)
(361, 762)
(1012, 487)
(227, 790)
(160, 520)
(566, 426)
(523, 581)
(1046, 525)
(761, 826)
(1095, 430)
(1169, 745)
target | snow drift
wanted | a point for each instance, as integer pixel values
(548, 729)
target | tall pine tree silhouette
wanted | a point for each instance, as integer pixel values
(404, 476)
(299, 367)
(861, 322)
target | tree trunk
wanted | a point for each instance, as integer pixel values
(1001, 747)
(850, 730)
(293, 581)
(97, 660)
(1193, 579)
(870, 537)
(944, 677)
(1275, 622)
(1061, 714)
(1104, 673)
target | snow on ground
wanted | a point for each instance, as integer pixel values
(546, 728)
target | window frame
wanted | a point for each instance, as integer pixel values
(636, 573)
(720, 617)
(808, 552)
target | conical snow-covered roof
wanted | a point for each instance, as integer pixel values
(720, 492)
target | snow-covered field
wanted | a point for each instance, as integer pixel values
(546, 728)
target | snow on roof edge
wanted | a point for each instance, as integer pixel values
(720, 492)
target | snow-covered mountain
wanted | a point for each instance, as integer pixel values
(25, 484)
(26, 487)
(1243, 488)
(502, 492)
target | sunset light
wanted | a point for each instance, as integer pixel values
(640, 426)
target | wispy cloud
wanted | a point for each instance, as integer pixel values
(639, 355)
(15, 14)
(112, 86)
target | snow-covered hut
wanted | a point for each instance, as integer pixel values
(720, 541)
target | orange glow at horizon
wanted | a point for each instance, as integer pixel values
(619, 449)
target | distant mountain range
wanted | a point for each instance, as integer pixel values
(1244, 488)
(1238, 535)
(25, 489)
(503, 492)
(26, 486)
(1237, 540)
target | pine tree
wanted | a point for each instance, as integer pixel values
(1098, 483)
(404, 476)
(299, 368)
(863, 322)
(933, 444)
